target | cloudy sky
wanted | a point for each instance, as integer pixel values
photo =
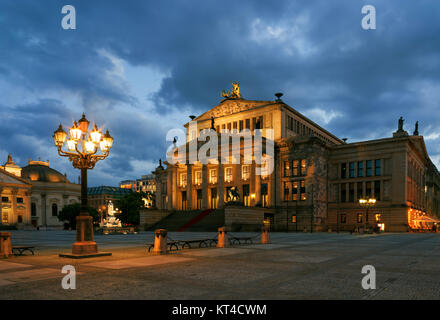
(141, 67)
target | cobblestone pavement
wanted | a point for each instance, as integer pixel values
(293, 266)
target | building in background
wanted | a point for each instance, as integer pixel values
(99, 197)
(35, 194)
(15, 195)
(146, 183)
(317, 179)
(50, 192)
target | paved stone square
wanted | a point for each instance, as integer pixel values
(293, 266)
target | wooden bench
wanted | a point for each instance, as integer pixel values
(238, 240)
(19, 250)
(170, 245)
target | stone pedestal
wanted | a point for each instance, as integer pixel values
(160, 241)
(222, 238)
(265, 235)
(84, 243)
(5, 244)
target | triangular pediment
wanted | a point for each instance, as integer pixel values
(9, 178)
(231, 106)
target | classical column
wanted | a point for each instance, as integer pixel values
(272, 183)
(189, 183)
(170, 188)
(252, 183)
(204, 186)
(257, 186)
(175, 183)
(14, 212)
(220, 184)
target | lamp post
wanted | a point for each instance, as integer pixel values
(367, 203)
(83, 146)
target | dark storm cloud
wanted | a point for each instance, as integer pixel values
(314, 51)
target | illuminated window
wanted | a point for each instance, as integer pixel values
(245, 172)
(286, 169)
(5, 218)
(228, 174)
(295, 191)
(303, 190)
(246, 198)
(293, 219)
(213, 176)
(378, 217)
(359, 218)
(295, 168)
(198, 179)
(303, 167)
(286, 191)
(183, 181)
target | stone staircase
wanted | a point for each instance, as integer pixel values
(200, 221)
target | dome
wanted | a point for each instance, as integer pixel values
(41, 172)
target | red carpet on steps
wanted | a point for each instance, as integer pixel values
(195, 220)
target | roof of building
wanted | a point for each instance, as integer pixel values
(116, 191)
(41, 172)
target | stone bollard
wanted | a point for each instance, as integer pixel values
(222, 238)
(160, 241)
(5, 244)
(265, 235)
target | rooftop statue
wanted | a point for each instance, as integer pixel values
(234, 93)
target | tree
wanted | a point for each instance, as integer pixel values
(130, 206)
(71, 211)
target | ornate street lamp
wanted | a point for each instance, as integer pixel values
(367, 203)
(83, 146)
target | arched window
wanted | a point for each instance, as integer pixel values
(54, 210)
(33, 209)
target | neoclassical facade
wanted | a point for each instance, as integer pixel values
(34, 194)
(15, 195)
(317, 178)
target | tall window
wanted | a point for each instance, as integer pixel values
(286, 169)
(343, 170)
(264, 201)
(241, 125)
(377, 190)
(33, 209)
(359, 218)
(295, 168)
(245, 172)
(351, 169)
(183, 181)
(184, 200)
(302, 190)
(369, 168)
(360, 168)
(199, 198)
(213, 176)
(351, 192)
(54, 209)
(248, 124)
(343, 218)
(198, 180)
(303, 167)
(286, 191)
(295, 191)
(343, 192)
(246, 198)
(228, 174)
(213, 198)
(368, 189)
(377, 167)
(360, 190)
